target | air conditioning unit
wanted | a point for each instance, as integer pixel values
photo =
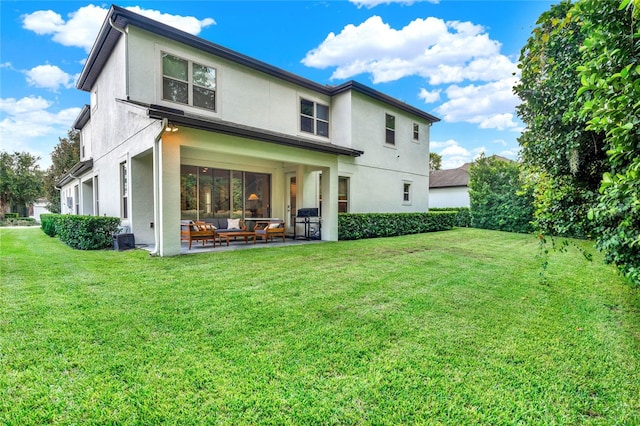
(123, 242)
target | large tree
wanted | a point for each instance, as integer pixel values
(20, 181)
(64, 156)
(580, 86)
(435, 161)
(610, 101)
(567, 159)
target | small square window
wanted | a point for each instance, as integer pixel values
(314, 118)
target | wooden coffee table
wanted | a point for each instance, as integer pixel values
(228, 235)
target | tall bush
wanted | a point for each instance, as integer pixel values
(87, 232)
(498, 198)
(48, 223)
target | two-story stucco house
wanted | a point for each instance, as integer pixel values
(181, 128)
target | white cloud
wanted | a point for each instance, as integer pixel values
(82, 26)
(373, 3)
(29, 125)
(188, 24)
(429, 96)
(489, 105)
(442, 52)
(49, 77)
(453, 154)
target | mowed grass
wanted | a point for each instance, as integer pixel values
(453, 328)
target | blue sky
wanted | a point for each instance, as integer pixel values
(453, 59)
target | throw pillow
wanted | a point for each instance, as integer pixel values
(233, 223)
(274, 225)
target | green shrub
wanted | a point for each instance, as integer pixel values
(499, 199)
(20, 221)
(463, 215)
(48, 223)
(10, 216)
(87, 232)
(355, 226)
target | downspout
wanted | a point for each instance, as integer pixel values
(156, 186)
(126, 55)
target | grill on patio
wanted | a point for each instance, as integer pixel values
(310, 218)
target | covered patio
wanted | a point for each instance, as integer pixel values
(238, 244)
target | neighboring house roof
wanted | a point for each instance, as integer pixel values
(76, 171)
(450, 177)
(454, 177)
(121, 18)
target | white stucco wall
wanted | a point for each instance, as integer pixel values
(457, 196)
(377, 178)
(243, 95)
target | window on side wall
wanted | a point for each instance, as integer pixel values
(314, 118)
(343, 195)
(406, 193)
(96, 189)
(416, 132)
(390, 129)
(124, 191)
(188, 82)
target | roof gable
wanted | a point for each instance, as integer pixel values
(119, 18)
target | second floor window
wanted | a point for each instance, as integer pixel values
(314, 118)
(188, 83)
(390, 129)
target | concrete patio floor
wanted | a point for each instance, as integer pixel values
(239, 244)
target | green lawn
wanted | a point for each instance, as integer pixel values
(452, 327)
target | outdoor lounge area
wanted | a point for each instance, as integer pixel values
(224, 235)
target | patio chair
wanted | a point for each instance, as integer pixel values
(197, 231)
(269, 229)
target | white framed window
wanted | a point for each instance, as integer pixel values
(94, 99)
(76, 198)
(343, 194)
(187, 82)
(314, 118)
(416, 132)
(124, 190)
(96, 195)
(406, 193)
(390, 129)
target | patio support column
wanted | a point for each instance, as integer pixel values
(330, 203)
(169, 197)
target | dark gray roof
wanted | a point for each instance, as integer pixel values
(450, 177)
(121, 18)
(76, 171)
(83, 118)
(455, 177)
(179, 117)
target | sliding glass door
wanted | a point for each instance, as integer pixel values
(206, 193)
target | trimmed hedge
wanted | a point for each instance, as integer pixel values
(20, 221)
(87, 232)
(463, 216)
(48, 223)
(355, 226)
